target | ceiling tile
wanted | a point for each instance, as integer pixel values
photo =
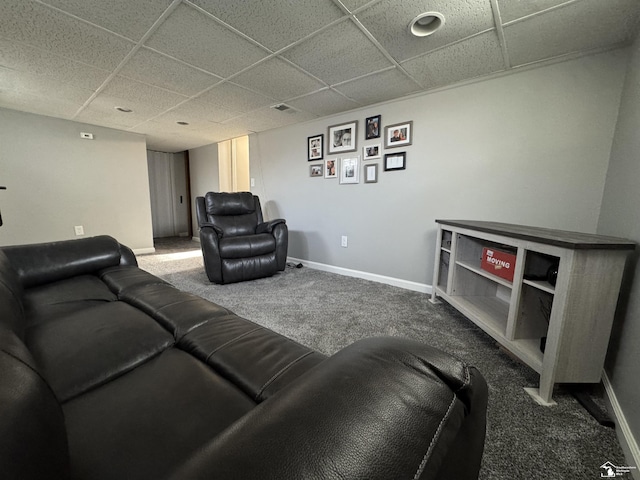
(273, 24)
(175, 140)
(197, 112)
(136, 93)
(337, 54)
(326, 102)
(101, 112)
(580, 26)
(48, 65)
(235, 98)
(129, 18)
(43, 86)
(145, 101)
(200, 41)
(389, 20)
(480, 55)
(278, 79)
(40, 26)
(220, 131)
(268, 118)
(156, 69)
(379, 87)
(41, 105)
(510, 10)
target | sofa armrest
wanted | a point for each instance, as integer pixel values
(217, 229)
(267, 227)
(211, 252)
(379, 409)
(127, 257)
(37, 264)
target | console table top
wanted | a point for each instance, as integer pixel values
(559, 238)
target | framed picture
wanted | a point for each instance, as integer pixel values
(369, 152)
(315, 145)
(331, 168)
(395, 161)
(349, 170)
(371, 173)
(342, 138)
(398, 135)
(316, 170)
(372, 125)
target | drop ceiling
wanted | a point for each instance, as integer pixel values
(221, 66)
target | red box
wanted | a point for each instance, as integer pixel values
(498, 263)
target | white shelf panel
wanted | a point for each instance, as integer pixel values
(489, 313)
(483, 273)
(540, 285)
(528, 350)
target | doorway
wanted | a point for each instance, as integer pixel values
(233, 165)
(169, 192)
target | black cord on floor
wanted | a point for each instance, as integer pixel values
(585, 399)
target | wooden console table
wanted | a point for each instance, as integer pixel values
(561, 331)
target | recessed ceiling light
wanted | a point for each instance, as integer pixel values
(123, 109)
(426, 23)
(182, 123)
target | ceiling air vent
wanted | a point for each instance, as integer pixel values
(282, 107)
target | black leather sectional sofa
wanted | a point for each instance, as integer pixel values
(108, 372)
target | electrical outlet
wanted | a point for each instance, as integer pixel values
(344, 241)
(253, 182)
(79, 229)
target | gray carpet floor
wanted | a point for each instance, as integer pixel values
(327, 311)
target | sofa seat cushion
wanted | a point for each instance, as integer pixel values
(92, 346)
(247, 245)
(256, 359)
(58, 299)
(145, 424)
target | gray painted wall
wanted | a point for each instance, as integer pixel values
(530, 148)
(620, 216)
(56, 180)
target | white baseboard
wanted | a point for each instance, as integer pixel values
(195, 239)
(374, 277)
(144, 251)
(625, 436)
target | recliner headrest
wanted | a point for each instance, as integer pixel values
(240, 203)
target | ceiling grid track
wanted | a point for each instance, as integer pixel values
(131, 53)
(495, 9)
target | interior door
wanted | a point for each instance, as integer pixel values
(169, 192)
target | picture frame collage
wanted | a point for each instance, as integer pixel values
(342, 140)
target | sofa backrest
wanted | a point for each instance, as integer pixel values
(33, 439)
(37, 264)
(233, 213)
(11, 294)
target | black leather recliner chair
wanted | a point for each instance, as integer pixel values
(237, 244)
